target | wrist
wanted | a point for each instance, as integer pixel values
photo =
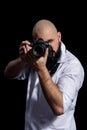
(42, 71)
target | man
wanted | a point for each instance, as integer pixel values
(54, 80)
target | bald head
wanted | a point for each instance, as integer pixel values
(46, 30)
(43, 27)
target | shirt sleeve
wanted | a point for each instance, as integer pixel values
(70, 82)
(23, 74)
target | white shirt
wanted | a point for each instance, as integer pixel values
(69, 77)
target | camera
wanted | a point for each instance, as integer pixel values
(39, 47)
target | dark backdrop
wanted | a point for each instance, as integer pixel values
(16, 25)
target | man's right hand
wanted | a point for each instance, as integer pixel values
(23, 49)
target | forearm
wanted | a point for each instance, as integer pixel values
(13, 68)
(51, 91)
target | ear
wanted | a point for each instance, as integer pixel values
(59, 36)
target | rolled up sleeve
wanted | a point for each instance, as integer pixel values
(70, 82)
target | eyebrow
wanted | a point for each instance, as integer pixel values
(50, 40)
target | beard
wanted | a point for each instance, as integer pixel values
(52, 64)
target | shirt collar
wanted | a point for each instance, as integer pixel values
(63, 51)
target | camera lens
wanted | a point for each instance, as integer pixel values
(39, 47)
(39, 50)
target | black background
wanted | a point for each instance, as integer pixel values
(16, 25)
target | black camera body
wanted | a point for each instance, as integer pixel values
(39, 48)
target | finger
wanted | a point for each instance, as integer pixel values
(46, 53)
(22, 50)
(26, 42)
(28, 47)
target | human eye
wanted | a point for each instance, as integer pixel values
(50, 41)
